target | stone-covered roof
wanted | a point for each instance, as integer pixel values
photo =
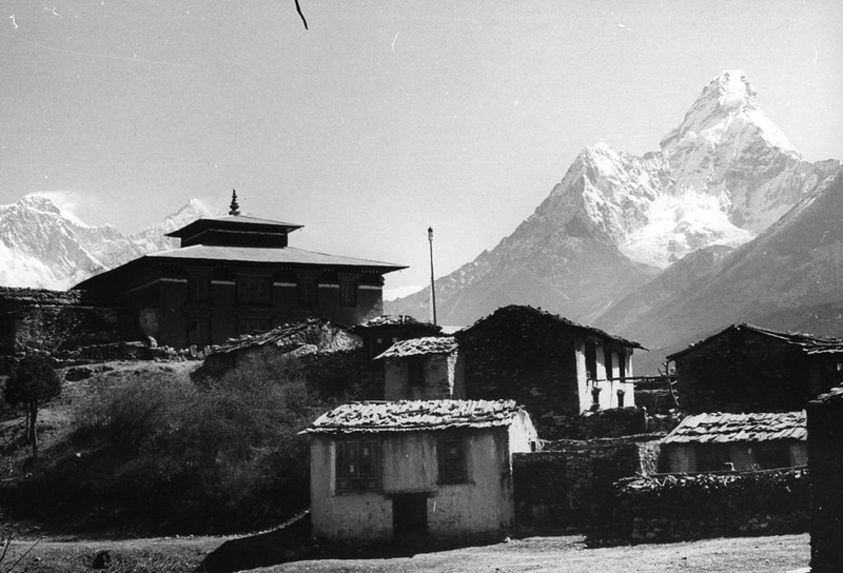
(390, 320)
(415, 415)
(720, 428)
(808, 343)
(518, 308)
(833, 395)
(317, 334)
(420, 346)
(36, 296)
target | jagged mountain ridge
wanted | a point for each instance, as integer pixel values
(789, 277)
(724, 174)
(42, 246)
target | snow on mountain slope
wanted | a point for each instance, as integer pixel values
(43, 246)
(724, 174)
(777, 280)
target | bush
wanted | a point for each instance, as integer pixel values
(167, 455)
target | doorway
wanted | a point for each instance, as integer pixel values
(409, 518)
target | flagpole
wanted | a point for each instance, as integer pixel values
(432, 286)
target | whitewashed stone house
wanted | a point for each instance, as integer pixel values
(416, 471)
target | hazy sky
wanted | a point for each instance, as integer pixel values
(385, 117)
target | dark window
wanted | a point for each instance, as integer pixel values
(348, 293)
(197, 288)
(712, 458)
(607, 359)
(452, 466)
(307, 292)
(622, 364)
(772, 455)
(254, 290)
(358, 466)
(415, 372)
(591, 360)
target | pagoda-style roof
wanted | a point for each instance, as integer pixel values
(289, 255)
(235, 230)
(234, 222)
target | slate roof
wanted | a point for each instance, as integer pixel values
(389, 320)
(808, 343)
(720, 428)
(420, 347)
(321, 334)
(500, 313)
(833, 395)
(269, 255)
(415, 415)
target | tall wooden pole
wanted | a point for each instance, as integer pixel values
(432, 285)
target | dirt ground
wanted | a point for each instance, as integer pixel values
(569, 555)
(537, 554)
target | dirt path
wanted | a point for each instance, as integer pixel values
(568, 554)
(534, 555)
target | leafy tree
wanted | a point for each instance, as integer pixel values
(33, 381)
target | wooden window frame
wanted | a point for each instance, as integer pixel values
(415, 372)
(452, 454)
(357, 465)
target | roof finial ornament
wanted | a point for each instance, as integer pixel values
(234, 208)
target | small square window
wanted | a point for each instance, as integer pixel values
(452, 463)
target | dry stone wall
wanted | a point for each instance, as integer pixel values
(569, 485)
(671, 507)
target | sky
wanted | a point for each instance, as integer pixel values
(385, 117)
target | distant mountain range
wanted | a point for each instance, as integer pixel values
(42, 246)
(724, 223)
(642, 246)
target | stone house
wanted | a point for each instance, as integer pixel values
(739, 442)
(423, 369)
(236, 275)
(53, 320)
(381, 332)
(825, 468)
(745, 368)
(548, 363)
(415, 471)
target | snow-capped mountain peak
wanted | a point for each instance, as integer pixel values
(44, 245)
(727, 112)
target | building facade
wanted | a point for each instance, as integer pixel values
(825, 466)
(738, 442)
(426, 368)
(548, 363)
(236, 275)
(416, 471)
(745, 368)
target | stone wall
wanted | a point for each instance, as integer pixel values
(742, 372)
(568, 485)
(825, 462)
(671, 507)
(58, 327)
